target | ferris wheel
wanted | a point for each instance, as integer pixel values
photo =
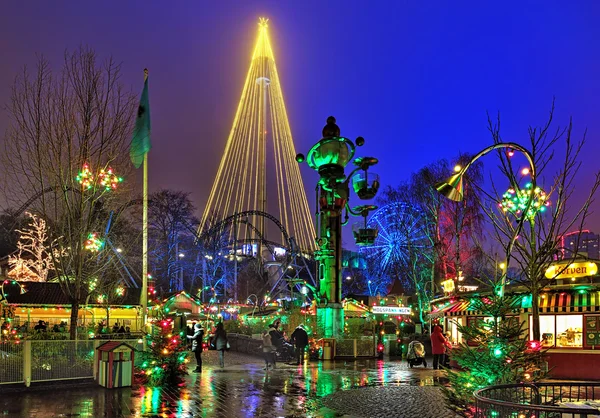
(402, 237)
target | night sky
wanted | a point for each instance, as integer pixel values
(414, 78)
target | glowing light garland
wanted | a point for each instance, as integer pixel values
(93, 243)
(515, 201)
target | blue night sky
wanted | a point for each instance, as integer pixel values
(414, 78)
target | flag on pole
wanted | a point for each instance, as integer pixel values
(140, 143)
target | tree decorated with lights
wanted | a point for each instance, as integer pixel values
(492, 352)
(66, 133)
(530, 227)
(165, 361)
(33, 254)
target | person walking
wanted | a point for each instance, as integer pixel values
(221, 343)
(268, 350)
(300, 339)
(197, 339)
(438, 347)
(276, 341)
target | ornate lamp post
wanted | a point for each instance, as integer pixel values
(329, 158)
(452, 188)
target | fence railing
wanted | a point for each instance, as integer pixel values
(50, 360)
(355, 347)
(542, 400)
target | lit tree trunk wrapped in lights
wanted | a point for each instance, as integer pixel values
(33, 252)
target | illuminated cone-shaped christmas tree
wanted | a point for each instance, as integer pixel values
(259, 159)
(166, 358)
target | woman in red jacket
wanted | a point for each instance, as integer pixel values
(438, 347)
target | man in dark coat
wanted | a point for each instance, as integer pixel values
(197, 339)
(276, 335)
(276, 341)
(300, 339)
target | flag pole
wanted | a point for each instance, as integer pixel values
(145, 235)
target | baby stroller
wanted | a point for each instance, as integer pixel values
(416, 354)
(285, 352)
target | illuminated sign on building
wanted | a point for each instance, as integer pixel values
(564, 271)
(391, 310)
(448, 285)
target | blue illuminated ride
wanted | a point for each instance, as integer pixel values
(402, 238)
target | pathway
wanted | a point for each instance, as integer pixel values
(366, 388)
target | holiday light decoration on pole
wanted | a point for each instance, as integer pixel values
(329, 158)
(453, 189)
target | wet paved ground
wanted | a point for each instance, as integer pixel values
(357, 389)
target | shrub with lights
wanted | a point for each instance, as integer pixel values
(492, 353)
(165, 361)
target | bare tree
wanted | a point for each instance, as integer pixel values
(172, 233)
(532, 235)
(214, 265)
(67, 130)
(461, 223)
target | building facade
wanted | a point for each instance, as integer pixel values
(588, 244)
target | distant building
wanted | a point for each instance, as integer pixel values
(587, 244)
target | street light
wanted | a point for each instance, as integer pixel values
(329, 157)
(453, 189)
